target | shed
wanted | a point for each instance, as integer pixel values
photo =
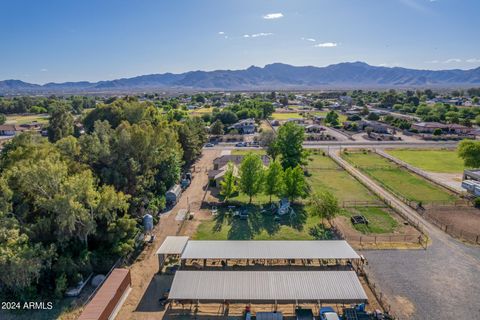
(173, 195)
(110, 297)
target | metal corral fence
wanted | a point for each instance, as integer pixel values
(452, 230)
(356, 204)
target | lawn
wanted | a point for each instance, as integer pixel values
(341, 117)
(21, 119)
(246, 151)
(442, 161)
(201, 110)
(258, 226)
(380, 221)
(286, 116)
(398, 180)
(326, 175)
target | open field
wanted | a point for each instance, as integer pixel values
(259, 226)
(399, 181)
(441, 161)
(341, 117)
(380, 220)
(21, 119)
(201, 110)
(244, 152)
(326, 175)
(286, 115)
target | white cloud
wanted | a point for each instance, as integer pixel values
(308, 39)
(473, 60)
(326, 45)
(256, 35)
(221, 33)
(270, 16)
(43, 70)
(453, 60)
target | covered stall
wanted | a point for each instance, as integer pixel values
(171, 246)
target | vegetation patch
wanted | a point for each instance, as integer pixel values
(380, 220)
(286, 115)
(441, 161)
(397, 180)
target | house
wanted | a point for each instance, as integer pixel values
(8, 130)
(220, 166)
(246, 126)
(428, 127)
(314, 128)
(459, 129)
(376, 126)
(296, 120)
(14, 129)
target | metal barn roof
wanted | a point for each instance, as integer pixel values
(173, 245)
(317, 249)
(280, 286)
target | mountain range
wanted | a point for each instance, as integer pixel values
(276, 76)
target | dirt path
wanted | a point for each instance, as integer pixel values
(143, 270)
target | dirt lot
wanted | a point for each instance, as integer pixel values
(465, 220)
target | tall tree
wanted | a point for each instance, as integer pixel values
(273, 180)
(251, 175)
(228, 185)
(469, 151)
(324, 205)
(60, 124)
(295, 185)
(290, 145)
(192, 136)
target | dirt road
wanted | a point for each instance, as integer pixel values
(138, 304)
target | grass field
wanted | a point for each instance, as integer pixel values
(397, 180)
(341, 117)
(244, 152)
(442, 161)
(286, 116)
(201, 110)
(326, 175)
(259, 226)
(21, 119)
(380, 221)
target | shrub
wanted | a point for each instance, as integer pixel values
(476, 202)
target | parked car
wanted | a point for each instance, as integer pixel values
(209, 145)
(327, 313)
(241, 144)
(304, 314)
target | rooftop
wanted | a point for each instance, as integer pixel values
(275, 286)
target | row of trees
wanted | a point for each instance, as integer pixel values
(73, 204)
(27, 104)
(254, 179)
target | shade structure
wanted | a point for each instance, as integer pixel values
(173, 245)
(268, 286)
(316, 249)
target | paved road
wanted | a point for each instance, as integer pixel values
(356, 144)
(442, 282)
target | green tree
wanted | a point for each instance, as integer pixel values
(469, 151)
(477, 120)
(60, 124)
(373, 116)
(437, 132)
(324, 205)
(289, 144)
(216, 128)
(295, 185)
(251, 175)
(273, 180)
(192, 137)
(332, 118)
(3, 118)
(228, 186)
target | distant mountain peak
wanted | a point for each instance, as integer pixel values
(272, 76)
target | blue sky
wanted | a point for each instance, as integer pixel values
(66, 40)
